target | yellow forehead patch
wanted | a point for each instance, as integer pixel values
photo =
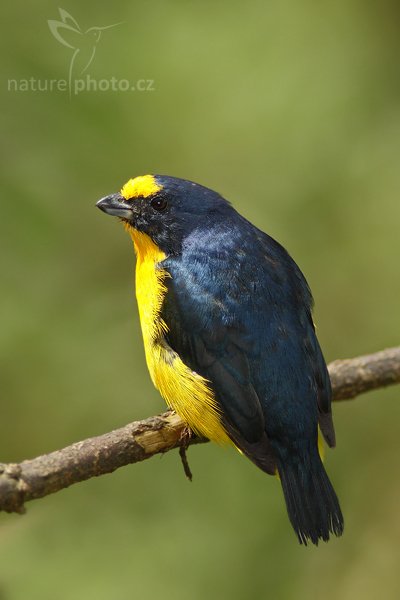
(140, 187)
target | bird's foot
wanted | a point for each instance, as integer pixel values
(185, 437)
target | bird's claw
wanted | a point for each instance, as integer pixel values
(184, 440)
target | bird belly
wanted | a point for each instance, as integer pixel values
(184, 390)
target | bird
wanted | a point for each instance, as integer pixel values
(82, 42)
(229, 338)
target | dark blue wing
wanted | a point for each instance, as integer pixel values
(239, 313)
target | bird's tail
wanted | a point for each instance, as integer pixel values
(311, 501)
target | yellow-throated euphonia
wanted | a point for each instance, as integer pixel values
(229, 337)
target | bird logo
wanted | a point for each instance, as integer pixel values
(83, 43)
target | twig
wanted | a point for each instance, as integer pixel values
(355, 376)
(137, 441)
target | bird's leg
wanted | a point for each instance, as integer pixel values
(184, 445)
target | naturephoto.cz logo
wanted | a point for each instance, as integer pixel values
(82, 45)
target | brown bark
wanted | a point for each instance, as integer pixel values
(137, 441)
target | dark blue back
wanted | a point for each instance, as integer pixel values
(239, 313)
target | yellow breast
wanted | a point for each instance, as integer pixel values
(185, 391)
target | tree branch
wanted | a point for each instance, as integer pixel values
(137, 441)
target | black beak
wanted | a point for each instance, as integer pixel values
(116, 206)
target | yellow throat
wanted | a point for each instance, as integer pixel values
(185, 391)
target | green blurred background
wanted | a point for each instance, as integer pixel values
(291, 110)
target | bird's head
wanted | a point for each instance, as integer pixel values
(94, 33)
(166, 209)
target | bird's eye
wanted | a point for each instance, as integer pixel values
(159, 204)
